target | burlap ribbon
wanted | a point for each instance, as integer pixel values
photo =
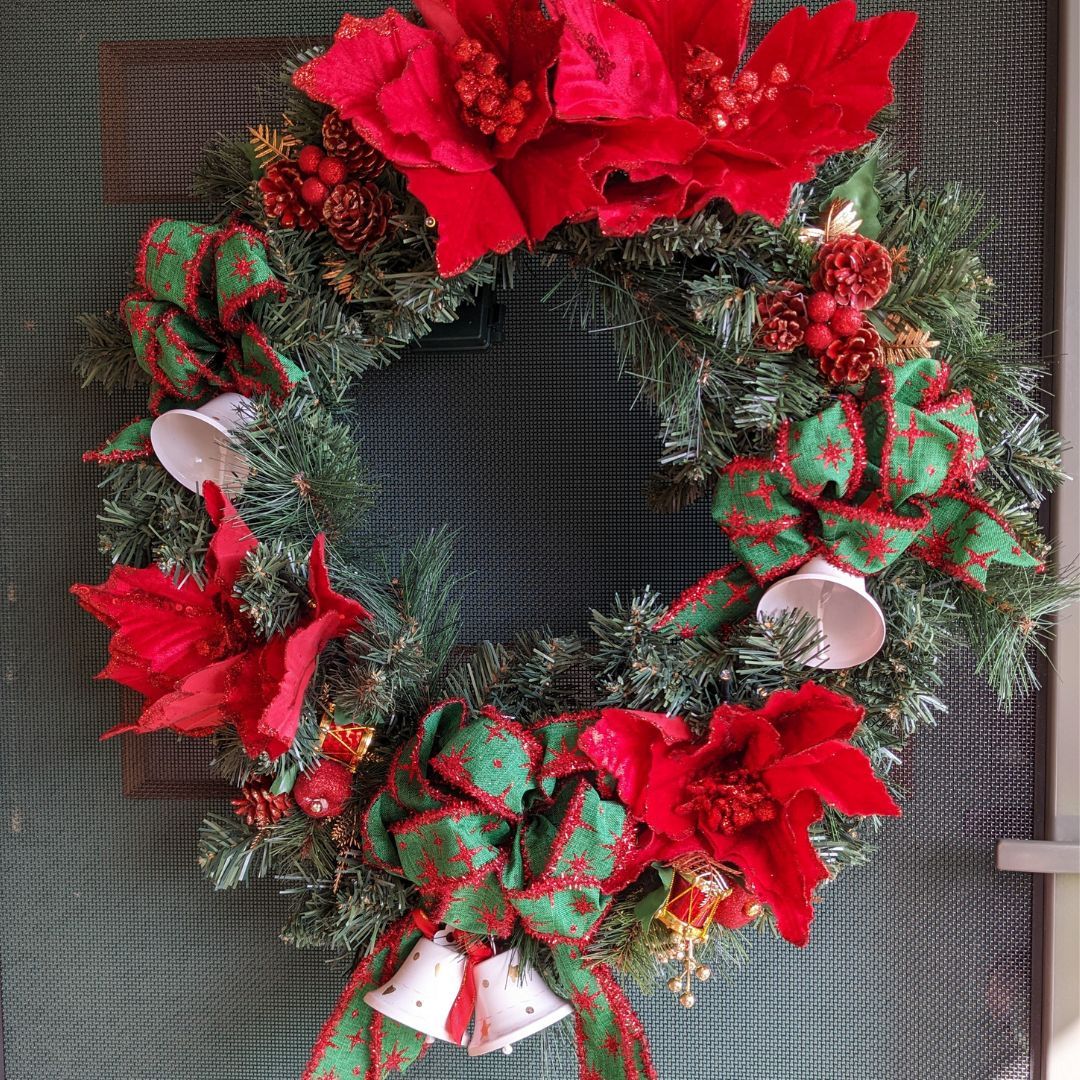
(496, 826)
(860, 484)
(192, 323)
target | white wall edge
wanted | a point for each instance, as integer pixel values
(1061, 1002)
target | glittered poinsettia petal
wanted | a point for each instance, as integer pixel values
(195, 707)
(548, 182)
(836, 771)
(422, 101)
(230, 545)
(367, 55)
(720, 26)
(842, 62)
(161, 631)
(327, 601)
(652, 160)
(475, 215)
(265, 699)
(626, 743)
(609, 65)
(783, 869)
(811, 715)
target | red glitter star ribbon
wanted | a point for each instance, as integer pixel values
(497, 826)
(860, 484)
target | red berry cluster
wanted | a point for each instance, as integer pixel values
(713, 100)
(487, 100)
(851, 275)
(729, 801)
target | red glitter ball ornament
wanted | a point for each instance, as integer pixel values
(783, 318)
(309, 158)
(818, 338)
(851, 359)
(857, 271)
(847, 321)
(820, 307)
(737, 908)
(314, 191)
(324, 791)
(332, 171)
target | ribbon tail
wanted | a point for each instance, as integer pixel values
(611, 1042)
(357, 1041)
(719, 599)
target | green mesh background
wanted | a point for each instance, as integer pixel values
(118, 963)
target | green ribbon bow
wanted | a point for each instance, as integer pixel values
(496, 826)
(191, 321)
(861, 484)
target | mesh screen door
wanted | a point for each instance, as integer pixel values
(118, 961)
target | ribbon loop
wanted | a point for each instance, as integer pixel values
(192, 321)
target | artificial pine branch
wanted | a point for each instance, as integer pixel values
(147, 517)
(305, 473)
(106, 355)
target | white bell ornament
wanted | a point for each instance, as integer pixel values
(852, 625)
(196, 445)
(422, 991)
(512, 1003)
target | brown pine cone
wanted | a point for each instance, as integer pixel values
(783, 318)
(281, 186)
(342, 140)
(258, 807)
(357, 214)
(857, 271)
(851, 359)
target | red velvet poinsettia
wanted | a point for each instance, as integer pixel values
(808, 91)
(193, 653)
(462, 108)
(748, 793)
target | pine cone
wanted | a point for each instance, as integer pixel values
(258, 807)
(851, 359)
(855, 270)
(342, 140)
(357, 214)
(281, 191)
(783, 318)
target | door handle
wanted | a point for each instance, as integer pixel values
(1039, 856)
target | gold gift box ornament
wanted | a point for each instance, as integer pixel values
(697, 889)
(347, 743)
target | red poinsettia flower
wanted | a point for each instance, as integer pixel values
(193, 653)
(748, 793)
(808, 91)
(462, 108)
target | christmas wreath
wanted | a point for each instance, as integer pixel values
(495, 837)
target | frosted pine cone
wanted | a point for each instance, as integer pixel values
(783, 318)
(357, 215)
(855, 270)
(257, 807)
(851, 359)
(281, 187)
(342, 140)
